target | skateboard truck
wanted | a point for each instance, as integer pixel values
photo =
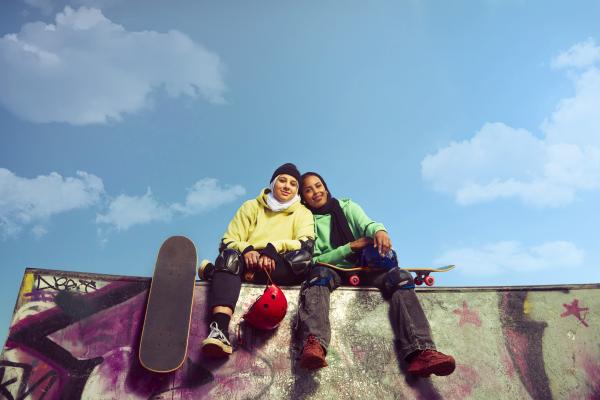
(419, 279)
(424, 278)
(422, 274)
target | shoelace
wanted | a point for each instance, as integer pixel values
(215, 331)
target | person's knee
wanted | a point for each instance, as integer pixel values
(397, 279)
(322, 276)
(230, 261)
(370, 257)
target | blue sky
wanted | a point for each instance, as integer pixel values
(470, 129)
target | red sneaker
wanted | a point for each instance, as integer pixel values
(429, 362)
(313, 355)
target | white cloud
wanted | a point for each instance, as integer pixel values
(576, 120)
(85, 69)
(511, 256)
(26, 201)
(206, 194)
(127, 211)
(32, 202)
(580, 55)
(503, 162)
(497, 151)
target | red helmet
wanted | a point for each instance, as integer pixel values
(268, 310)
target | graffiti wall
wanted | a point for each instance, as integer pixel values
(76, 336)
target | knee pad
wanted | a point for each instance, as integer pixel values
(323, 276)
(397, 279)
(229, 260)
(370, 257)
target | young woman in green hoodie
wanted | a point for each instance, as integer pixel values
(273, 234)
(344, 234)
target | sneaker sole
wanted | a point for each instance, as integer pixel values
(313, 363)
(442, 369)
(214, 348)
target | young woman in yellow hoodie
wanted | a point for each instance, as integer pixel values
(273, 234)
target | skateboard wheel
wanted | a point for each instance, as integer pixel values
(429, 280)
(418, 281)
(205, 270)
(354, 280)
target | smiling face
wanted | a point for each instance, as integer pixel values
(314, 192)
(285, 187)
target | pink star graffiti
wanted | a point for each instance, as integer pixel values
(574, 309)
(467, 316)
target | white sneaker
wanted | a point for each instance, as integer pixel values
(216, 345)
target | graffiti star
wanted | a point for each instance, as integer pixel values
(574, 309)
(467, 316)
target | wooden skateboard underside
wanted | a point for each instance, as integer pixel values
(163, 345)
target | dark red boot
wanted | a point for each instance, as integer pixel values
(313, 354)
(427, 362)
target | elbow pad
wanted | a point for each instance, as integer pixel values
(299, 260)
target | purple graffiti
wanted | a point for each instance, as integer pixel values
(31, 334)
(40, 295)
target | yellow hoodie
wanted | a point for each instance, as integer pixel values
(256, 225)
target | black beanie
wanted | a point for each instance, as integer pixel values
(287, 168)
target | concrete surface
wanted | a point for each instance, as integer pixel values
(75, 335)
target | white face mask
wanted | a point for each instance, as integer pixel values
(276, 205)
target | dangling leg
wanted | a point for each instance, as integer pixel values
(411, 327)
(314, 327)
(223, 296)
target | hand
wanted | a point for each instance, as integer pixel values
(251, 259)
(360, 243)
(266, 263)
(382, 242)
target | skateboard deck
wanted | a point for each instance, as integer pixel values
(422, 274)
(164, 341)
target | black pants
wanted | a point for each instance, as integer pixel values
(225, 287)
(408, 320)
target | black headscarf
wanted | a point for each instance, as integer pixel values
(340, 230)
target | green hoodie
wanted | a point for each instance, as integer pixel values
(360, 225)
